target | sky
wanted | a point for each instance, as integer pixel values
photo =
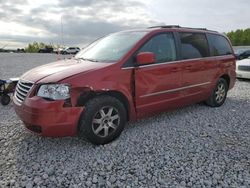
(78, 22)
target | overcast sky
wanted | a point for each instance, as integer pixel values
(25, 21)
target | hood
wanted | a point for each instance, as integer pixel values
(243, 62)
(56, 71)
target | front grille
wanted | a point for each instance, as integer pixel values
(22, 90)
(244, 68)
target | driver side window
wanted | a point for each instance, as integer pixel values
(163, 46)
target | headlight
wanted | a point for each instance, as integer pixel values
(54, 91)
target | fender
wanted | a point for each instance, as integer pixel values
(227, 70)
(120, 81)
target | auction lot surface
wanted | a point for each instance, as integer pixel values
(196, 146)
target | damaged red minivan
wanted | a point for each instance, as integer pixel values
(125, 76)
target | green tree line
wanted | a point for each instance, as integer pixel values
(36, 46)
(240, 37)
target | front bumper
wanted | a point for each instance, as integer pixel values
(243, 74)
(48, 118)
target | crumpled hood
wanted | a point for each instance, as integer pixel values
(56, 71)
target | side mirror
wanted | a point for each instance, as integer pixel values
(144, 58)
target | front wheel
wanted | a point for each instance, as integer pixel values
(219, 94)
(103, 120)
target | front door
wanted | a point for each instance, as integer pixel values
(157, 85)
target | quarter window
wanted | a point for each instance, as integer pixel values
(219, 45)
(193, 45)
(163, 46)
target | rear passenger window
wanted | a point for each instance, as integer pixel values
(163, 46)
(193, 45)
(219, 45)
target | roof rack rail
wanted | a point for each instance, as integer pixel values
(176, 26)
(194, 28)
(165, 26)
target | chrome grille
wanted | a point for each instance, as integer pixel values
(244, 68)
(22, 90)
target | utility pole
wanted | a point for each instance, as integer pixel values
(62, 32)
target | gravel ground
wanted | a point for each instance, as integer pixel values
(196, 146)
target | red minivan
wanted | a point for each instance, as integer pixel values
(125, 76)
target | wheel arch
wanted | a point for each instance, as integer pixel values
(88, 95)
(227, 78)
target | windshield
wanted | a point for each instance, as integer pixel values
(112, 47)
(239, 51)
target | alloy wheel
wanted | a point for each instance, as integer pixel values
(220, 93)
(105, 121)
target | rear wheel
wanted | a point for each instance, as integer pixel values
(219, 94)
(5, 99)
(103, 120)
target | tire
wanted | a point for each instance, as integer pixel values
(5, 99)
(103, 120)
(219, 94)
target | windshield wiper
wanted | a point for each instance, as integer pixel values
(85, 59)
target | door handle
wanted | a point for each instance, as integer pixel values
(175, 69)
(188, 67)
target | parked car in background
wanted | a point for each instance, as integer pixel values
(7, 87)
(243, 68)
(47, 49)
(125, 76)
(242, 53)
(58, 50)
(70, 50)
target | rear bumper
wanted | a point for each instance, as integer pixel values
(48, 118)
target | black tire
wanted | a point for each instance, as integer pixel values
(5, 99)
(95, 121)
(219, 94)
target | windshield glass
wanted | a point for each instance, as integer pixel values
(112, 47)
(240, 51)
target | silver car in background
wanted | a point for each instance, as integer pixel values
(243, 68)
